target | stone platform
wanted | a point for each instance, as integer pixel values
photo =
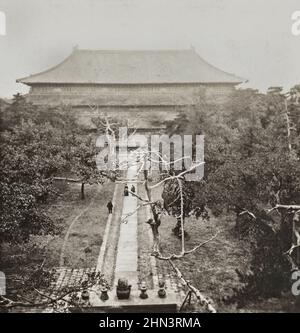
(153, 304)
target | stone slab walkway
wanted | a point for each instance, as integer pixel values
(127, 250)
(107, 256)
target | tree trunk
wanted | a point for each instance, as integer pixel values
(155, 225)
(155, 233)
(82, 191)
(177, 230)
(71, 180)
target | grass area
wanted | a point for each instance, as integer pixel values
(212, 268)
(85, 237)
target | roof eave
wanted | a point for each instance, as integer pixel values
(129, 83)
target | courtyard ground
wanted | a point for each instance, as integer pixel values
(212, 268)
(83, 220)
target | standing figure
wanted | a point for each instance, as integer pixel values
(126, 190)
(110, 207)
(132, 190)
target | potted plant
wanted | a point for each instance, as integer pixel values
(123, 289)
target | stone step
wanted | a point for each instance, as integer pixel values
(153, 304)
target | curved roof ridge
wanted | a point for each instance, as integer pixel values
(47, 70)
(84, 66)
(217, 68)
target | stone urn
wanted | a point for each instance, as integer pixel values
(85, 295)
(104, 294)
(123, 289)
(161, 289)
(143, 294)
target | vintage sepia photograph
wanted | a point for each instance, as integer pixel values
(149, 158)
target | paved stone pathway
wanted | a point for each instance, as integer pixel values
(107, 256)
(127, 251)
(119, 258)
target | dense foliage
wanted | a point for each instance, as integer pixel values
(252, 151)
(38, 144)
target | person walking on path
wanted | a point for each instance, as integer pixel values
(132, 190)
(126, 190)
(110, 207)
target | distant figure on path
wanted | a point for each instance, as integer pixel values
(132, 190)
(110, 207)
(126, 190)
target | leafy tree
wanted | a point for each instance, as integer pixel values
(30, 155)
(251, 164)
(175, 195)
(32, 152)
(84, 162)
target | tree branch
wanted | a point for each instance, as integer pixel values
(181, 255)
(204, 301)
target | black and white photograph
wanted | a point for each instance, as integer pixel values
(149, 159)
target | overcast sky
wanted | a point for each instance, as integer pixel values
(250, 38)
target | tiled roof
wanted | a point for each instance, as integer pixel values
(132, 67)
